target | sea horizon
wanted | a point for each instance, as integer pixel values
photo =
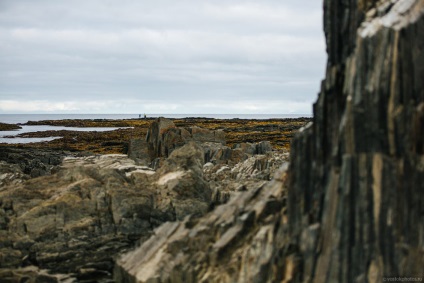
(23, 118)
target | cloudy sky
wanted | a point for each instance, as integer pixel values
(162, 56)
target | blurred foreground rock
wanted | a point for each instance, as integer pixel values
(357, 172)
(238, 241)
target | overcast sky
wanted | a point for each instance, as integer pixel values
(162, 56)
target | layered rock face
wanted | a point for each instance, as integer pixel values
(363, 155)
(355, 186)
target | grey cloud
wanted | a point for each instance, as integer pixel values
(164, 52)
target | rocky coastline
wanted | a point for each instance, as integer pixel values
(189, 204)
(349, 208)
(278, 131)
(66, 216)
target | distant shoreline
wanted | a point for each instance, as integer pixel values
(23, 118)
(278, 131)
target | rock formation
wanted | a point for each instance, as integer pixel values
(163, 137)
(73, 220)
(94, 207)
(348, 209)
(34, 162)
(353, 208)
(357, 173)
(236, 242)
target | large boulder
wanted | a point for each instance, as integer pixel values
(181, 180)
(163, 137)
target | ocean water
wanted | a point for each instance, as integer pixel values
(23, 118)
(10, 136)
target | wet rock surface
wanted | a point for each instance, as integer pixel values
(350, 209)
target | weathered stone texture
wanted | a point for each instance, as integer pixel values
(363, 154)
(77, 220)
